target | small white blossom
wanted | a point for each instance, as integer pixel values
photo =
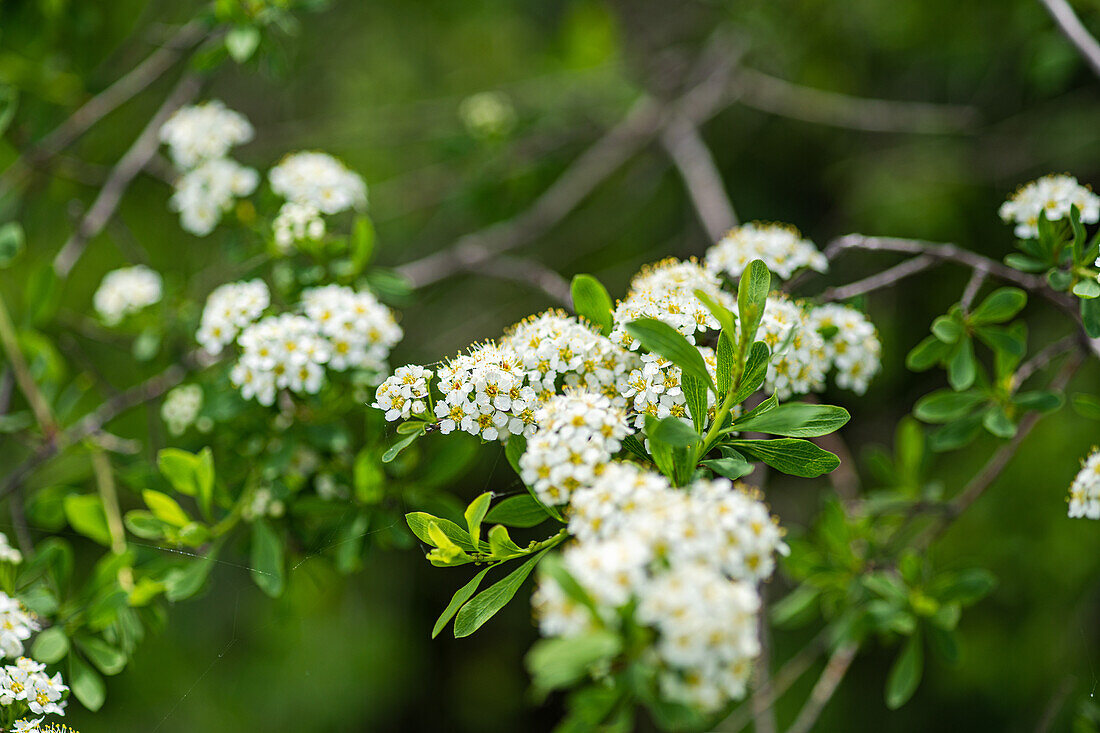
(126, 291)
(203, 132)
(297, 223)
(1053, 194)
(320, 180)
(16, 626)
(1084, 493)
(798, 357)
(405, 393)
(228, 309)
(852, 346)
(181, 408)
(280, 352)
(204, 193)
(360, 330)
(487, 114)
(780, 246)
(7, 552)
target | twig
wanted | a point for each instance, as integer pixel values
(1055, 704)
(973, 285)
(9, 340)
(826, 686)
(778, 96)
(102, 104)
(703, 180)
(105, 484)
(131, 163)
(884, 279)
(780, 682)
(1073, 29)
(529, 272)
(763, 713)
(1046, 355)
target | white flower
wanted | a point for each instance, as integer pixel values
(280, 352)
(228, 309)
(852, 346)
(16, 626)
(181, 407)
(203, 132)
(1084, 493)
(798, 357)
(297, 223)
(9, 553)
(360, 330)
(487, 114)
(320, 180)
(404, 393)
(780, 246)
(1053, 194)
(126, 291)
(204, 193)
(44, 694)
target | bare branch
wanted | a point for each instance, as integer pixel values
(1045, 356)
(826, 686)
(702, 178)
(780, 97)
(131, 163)
(973, 285)
(1073, 29)
(884, 279)
(529, 272)
(780, 682)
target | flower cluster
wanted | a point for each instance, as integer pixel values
(297, 223)
(666, 291)
(1054, 195)
(206, 192)
(320, 180)
(799, 360)
(16, 626)
(484, 394)
(780, 246)
(578, 434)
(199, 138)
(655, 388)
(39, 726)
(126, 291)
(405, 393)
(181, 408)
(203, 132)
(286, 351)
(687, 558)
(487, 114)
(360, 330)
(8, 553)
(852, 346)
(1084, 493)
(27, 683)
(228, 309)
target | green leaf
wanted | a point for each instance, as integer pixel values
(12, 241)
(460, 597)
(756, 368)
(789, 455)
(956, 434)
(85, 514)
(999, 306)
(501, 544)
(400, 445)
(796, 420)
(178, 466)
(267, 559)
(905, 675)
(1087, 289)
(795, 607)
(592, 302)
(635, 446)
(671, 431)
(947, 329)
(203, 468)
(106, 658)
(86, 684)
(475, 513)
(562, 661)
(1010, 341)
(1090, 316)
(727, 363)
(964, 587)
(368, 477)
(752, 299)
(946, 405)
(145, 525)
(241, 42)
(661, 338)
(731, 468)
(419, 522)
(50, 646)
(518, 511)
(485, 604)
(724, 316)
(1024, 263)
(362, 242)
(997, 422)
(182, 583)
(9, 103)
(1039, 400)
(165, 508)
(963, 368)
(1086, 405)
(695, 393)
(927, 354)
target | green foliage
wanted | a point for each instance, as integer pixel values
(592, 302)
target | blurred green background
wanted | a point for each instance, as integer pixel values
(380, 84)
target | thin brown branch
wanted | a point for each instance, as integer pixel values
(780, 97)
(102, 104)
(9, 343)
(1045, 356)
(703, 180)
(1073, 29)
(886, 278)
(131, 163)
(779, 683)
(973, 285)
(825, 688)
(529, 272)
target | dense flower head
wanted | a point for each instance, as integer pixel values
(297, 222)
(687, 558)
(1084, 493)
(405, 393)
(27, 683)
(40, 726)
(206, 192)
(181, 407)
(798, 360)
(16, 626)
(1053, 194)
(666, 291)
(203, 132)
(655, 388)
(578, 433)
(780, 246)
(126, 291)
(320, 180)
(485, 394)
(286, 351)
(852, 346)
(230, 308)
(361, 330)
